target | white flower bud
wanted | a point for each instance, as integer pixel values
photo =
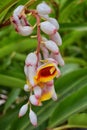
(56, 38)
(31, 74)
(37, 91)
(54, 95)
(34, 100)
(23, 110)
(48, 28)
(33, 118)
(18, 10)
(31, 59)
(24, 30)
(45, 52)
(44, 16)
(26, 88)
(59, 59)
(43, 8)
(2, 101)
(54, 22)
(51, 60)
(51, 45)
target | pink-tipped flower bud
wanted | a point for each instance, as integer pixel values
(31, 59)
(56, 38)
(43, 8)
(45, 52)
(48, 28)
(37, 91)
(34, 100)
(23, 110)
(18, 10)
(54, 95)
(54, 22)
(59, 59)
(24, 30)
(33, 118)
(31, 74)
(51, 45)
(26, 88)
(45, 16)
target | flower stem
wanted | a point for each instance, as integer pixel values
(35, 14)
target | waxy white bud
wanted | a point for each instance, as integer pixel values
(31, 59)
(54, 22)
(44, 16)
(37, 91)
(31, 74)
(43, 8)
(26, 88)
(54, 95)
(2, 101)
(18, 10)
(59, 59)
(48, 28)
(51, 45)
(56, 38)
(34, 100)
(23, 110)
(24, 30)
(33, 118)
(51, 60)
(45, 52)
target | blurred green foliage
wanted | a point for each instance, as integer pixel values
(71, 108)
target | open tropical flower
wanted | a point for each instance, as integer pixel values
(41, 66)
(46, 72)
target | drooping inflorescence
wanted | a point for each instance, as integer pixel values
(41, 66)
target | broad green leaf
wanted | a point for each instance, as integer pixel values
(70, 105)
(11, 82)
(19, 47)
(11, 98)
(7, 119)
(45, 112)
(79, 120)
(73, 26)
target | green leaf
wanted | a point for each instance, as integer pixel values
(11, 98)
(8, 81)
(79, 120)
(73, 103)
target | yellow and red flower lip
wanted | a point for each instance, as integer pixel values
(46, 73)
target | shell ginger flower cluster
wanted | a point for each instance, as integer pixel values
(41, 66)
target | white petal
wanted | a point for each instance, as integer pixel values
(33, 117)
(33, 100)
(31, 59)
(54, 22)
(48, 28)
(56, 38)
(44, 16)
(51, 45)
(24, 30)
(51, 60)
(26, 88)
(59, 59)
(18, 10)
(37, 91)
(45, 52)
(54, 96)
(23, 110)
(31, 74)
(43, 8)
(2, 101)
